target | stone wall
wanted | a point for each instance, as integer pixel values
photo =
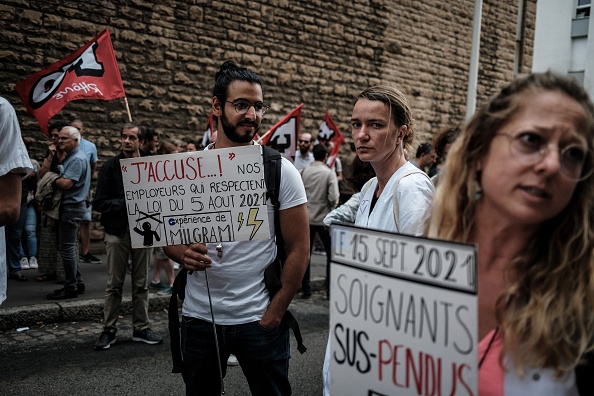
(321, 53)
(318, 52)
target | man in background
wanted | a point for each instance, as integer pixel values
(345, 185)
(75, 181)
(110, 201)
(14, 165)
(425, 157)
(321, 188)
(303, 156)
(149, 141)
(90, 151)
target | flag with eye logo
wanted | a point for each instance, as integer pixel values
(329, 132)
(89, 73)
(283, 135)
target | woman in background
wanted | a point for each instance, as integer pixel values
(518, 183)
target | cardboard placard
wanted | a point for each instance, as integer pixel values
(403, 315)
(202, 196)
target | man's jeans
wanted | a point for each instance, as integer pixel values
(118, 249)
(263, 355)
(70, 217)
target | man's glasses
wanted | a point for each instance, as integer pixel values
(243, 106)
(304, 141)
(530, 148)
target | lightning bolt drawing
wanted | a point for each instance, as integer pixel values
(253, 222)
(240, 219)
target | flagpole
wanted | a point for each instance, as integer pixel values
(128, 109)
(263, 136)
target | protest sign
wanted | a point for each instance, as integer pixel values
(403, 315)
(202, 196)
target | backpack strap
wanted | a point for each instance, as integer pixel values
(272, 177)
(395, 196)
(179, 291)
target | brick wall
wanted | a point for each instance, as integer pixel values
(321, 53)
(318, 52)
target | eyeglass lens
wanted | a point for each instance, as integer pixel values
(573, 159)
(242, 107)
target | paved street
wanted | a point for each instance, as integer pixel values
(59, 359)
(25, 294)
(46, 347)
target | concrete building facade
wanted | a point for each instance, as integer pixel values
(564, 39)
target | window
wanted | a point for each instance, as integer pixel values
(583, 9)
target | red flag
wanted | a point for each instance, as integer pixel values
(90, 73)
(283, 135)
(209, 136)
(329, 132)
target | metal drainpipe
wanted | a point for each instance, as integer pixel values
(519, 54)
(474, 59)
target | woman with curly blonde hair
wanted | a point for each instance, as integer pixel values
(518, 183)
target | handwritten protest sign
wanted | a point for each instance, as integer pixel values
(403, 315)
(205, 196)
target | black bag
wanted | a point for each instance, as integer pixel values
(272, 177)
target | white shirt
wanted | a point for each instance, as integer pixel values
(13, 159)
(414, 194)
(236, 279)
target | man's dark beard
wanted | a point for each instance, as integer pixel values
(230, 130)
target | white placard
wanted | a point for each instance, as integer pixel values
(202, 196)
(403, 315)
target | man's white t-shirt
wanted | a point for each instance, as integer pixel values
(13, 159)
(236, 279)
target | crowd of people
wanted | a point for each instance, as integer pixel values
(516, 180)
(53, 231)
